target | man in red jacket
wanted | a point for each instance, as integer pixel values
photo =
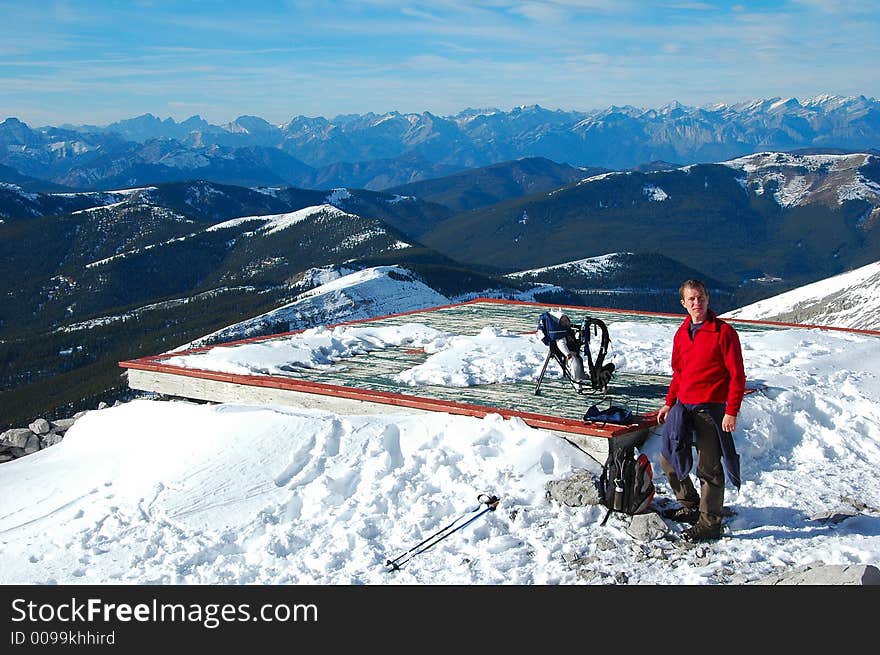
(704, 397)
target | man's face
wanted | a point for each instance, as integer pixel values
(696, 302)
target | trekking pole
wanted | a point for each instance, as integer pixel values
(491, 503)
(393, 562)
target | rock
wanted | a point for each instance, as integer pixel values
(62, 424)
(579, 490)
(40, 426)
(576, 561)
(32, 445)
(859, 505)
(102, 405)
(5, 457)
(604, 543)
(51, 439)
(16, 437)
(701, 560)
(79, 415)
(587, 575)
(834, 516)
(825, 574)
(647, 527)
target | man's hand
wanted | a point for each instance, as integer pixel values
(728, 423)
(661, 415)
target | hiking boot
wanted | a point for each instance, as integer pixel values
(682, 514)
(702, 532)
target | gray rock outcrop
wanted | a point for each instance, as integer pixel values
(40, 434)
(579, 490)
(825, 574)
(647, 527)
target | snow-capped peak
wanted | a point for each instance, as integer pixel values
(798, 179)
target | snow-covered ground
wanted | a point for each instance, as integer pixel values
(172, 492)
(848, 300)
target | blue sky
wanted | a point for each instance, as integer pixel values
(96, 61)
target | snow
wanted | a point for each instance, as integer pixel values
(317, 348)
(129, 253)
(848, 300)
(337, 196)
(380, 290)
(349, 296)
(99, 208)
(398, 198)
(171, 492)
(596, 178)
(792, 191)
(267, 225)
(185, 160)
(782, 103)
(21, 192)
(592, 266)
(103, 194)
(655, 193)
(267, 191)
(823, 173)
(860, 188)
(272, 223)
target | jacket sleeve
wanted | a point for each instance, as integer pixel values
(672, 394)
(733, 361)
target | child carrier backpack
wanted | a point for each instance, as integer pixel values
(627, 482)
(557, 326)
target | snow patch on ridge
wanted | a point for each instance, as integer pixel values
(276, 222)
(593, 266)
(655, 193)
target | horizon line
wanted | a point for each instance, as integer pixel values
(824, 96)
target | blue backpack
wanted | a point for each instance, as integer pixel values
(551, 328)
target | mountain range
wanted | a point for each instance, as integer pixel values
(374, 151)
(768, 216)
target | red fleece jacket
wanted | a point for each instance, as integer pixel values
(708, 369)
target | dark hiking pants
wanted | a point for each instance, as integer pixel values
(710, 472)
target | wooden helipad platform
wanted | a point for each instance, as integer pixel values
(364, 383)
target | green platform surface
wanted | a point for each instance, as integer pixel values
(640, 393)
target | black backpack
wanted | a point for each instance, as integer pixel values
(627, 482)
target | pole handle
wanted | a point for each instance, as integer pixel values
(490, 501)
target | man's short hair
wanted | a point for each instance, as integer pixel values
(692, 284)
